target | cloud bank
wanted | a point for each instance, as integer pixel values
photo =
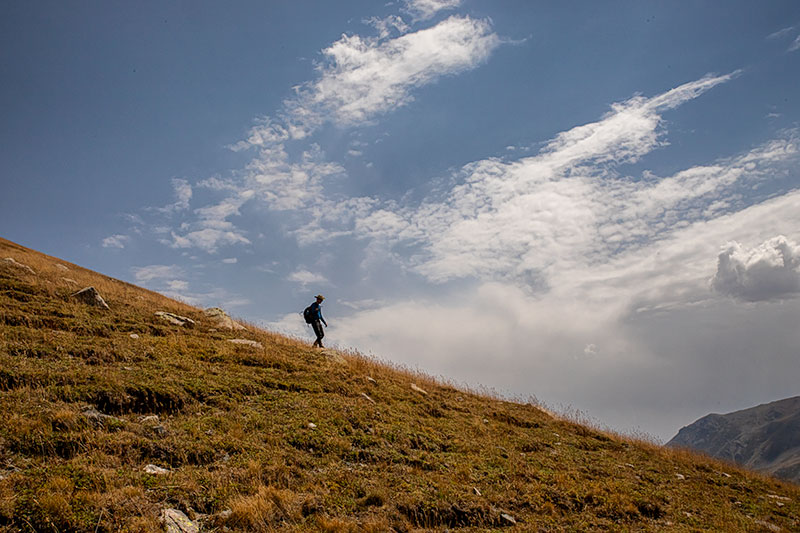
(767, 272)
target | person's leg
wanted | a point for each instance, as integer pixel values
(319, 332)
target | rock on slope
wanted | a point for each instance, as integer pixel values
(765, 438)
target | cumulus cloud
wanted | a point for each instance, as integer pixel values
(795, 46)
(115, 241)
(769, 271)
(305, 277)
(425, 9)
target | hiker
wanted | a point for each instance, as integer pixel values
(313, 316)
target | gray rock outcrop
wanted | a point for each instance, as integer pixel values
(176, 521)
(175, 319)
(13, 262)
(221, 319)
(247, 342)
(90, 296)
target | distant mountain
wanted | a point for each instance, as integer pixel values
(765, 438)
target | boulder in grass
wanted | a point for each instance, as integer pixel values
(247, 342)
(90, 296)
(221, 319)
(175, 319)
(176, 522)
(156, 470)
(13, 262)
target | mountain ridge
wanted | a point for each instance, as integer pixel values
(121, 419)
(765, 438)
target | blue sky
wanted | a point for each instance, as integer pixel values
(595, 204)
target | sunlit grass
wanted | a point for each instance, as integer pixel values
(286, 438)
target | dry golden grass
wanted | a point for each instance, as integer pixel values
(233, 430)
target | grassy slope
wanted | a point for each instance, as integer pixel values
(238, 438)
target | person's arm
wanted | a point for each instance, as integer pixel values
(319, 315)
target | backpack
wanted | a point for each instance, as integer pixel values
(308, 315)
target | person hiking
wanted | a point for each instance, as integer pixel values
(313, 316)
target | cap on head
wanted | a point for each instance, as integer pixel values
(319, 297)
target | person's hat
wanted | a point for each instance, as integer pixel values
(319, 297)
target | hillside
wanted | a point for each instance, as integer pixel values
(765, 438)
(117, 419)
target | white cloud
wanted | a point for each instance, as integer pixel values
(599, 325)
(795, 45)
(183, 195)
(115, 241)
(156, 272)
(387, 25)
(230, 260)
(178, 285)
(363, 77)
(538, 214)
(766, 272)
(425, 9)
(359, 79)
(208, 239)
(305, 277)
(781, 33)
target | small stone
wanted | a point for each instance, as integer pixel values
(724, 474)
(776, 497)
(247, 342)
(69, 280)
(485, 420)
(508, 518)
(176, 522)
(370, 400)
(312, 425)
(680, 476)
(176, 319)
(372, 380)
(90, 296)
(151, 419)
(476, 491)
(13, 262)
(62, 267)
(225, 514)
(98, 419)
(768, 525)
(159, 430)
(134, 336)
(415, 388)
(155, 470)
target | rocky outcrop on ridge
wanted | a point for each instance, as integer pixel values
(765, 438)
